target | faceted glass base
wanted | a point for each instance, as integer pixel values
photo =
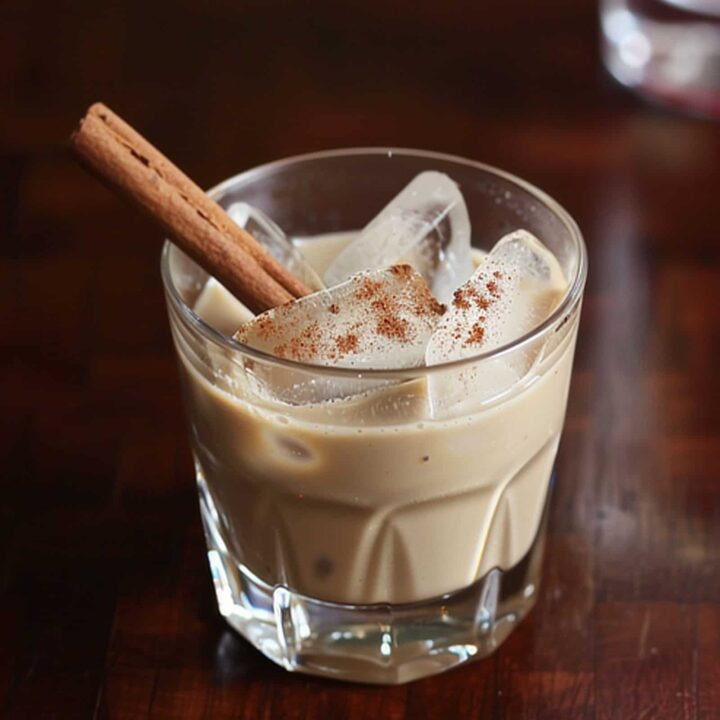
(385, 644)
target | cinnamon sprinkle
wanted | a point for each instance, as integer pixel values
(428, 305)
(476, 334)
(393, 327)
(402, 272)
(303, 346)
(347, 343)
(384, 310)
(265, 326)
(460, 300)
(368, 289)
(477, 297)
(482, 298)
(384, 305)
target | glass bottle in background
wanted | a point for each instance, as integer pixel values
(667, 50)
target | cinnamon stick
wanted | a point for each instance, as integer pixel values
(123, 159)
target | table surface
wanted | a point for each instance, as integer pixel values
(106, 607)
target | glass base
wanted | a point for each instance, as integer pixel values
(383, 643)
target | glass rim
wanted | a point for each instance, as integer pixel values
(570, 299)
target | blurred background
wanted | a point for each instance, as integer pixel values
(105, 602)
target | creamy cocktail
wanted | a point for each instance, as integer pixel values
(375, 461)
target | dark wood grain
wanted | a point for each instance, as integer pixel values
(105, 599)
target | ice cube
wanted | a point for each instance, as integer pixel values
(377, 319)
(515, 287)
(268, 234)
(220, 309)
(374, 403)
(321, 250)
(426, 226)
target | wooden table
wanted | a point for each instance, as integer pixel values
(106, 607)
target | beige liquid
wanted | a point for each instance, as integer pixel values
(366, 500)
